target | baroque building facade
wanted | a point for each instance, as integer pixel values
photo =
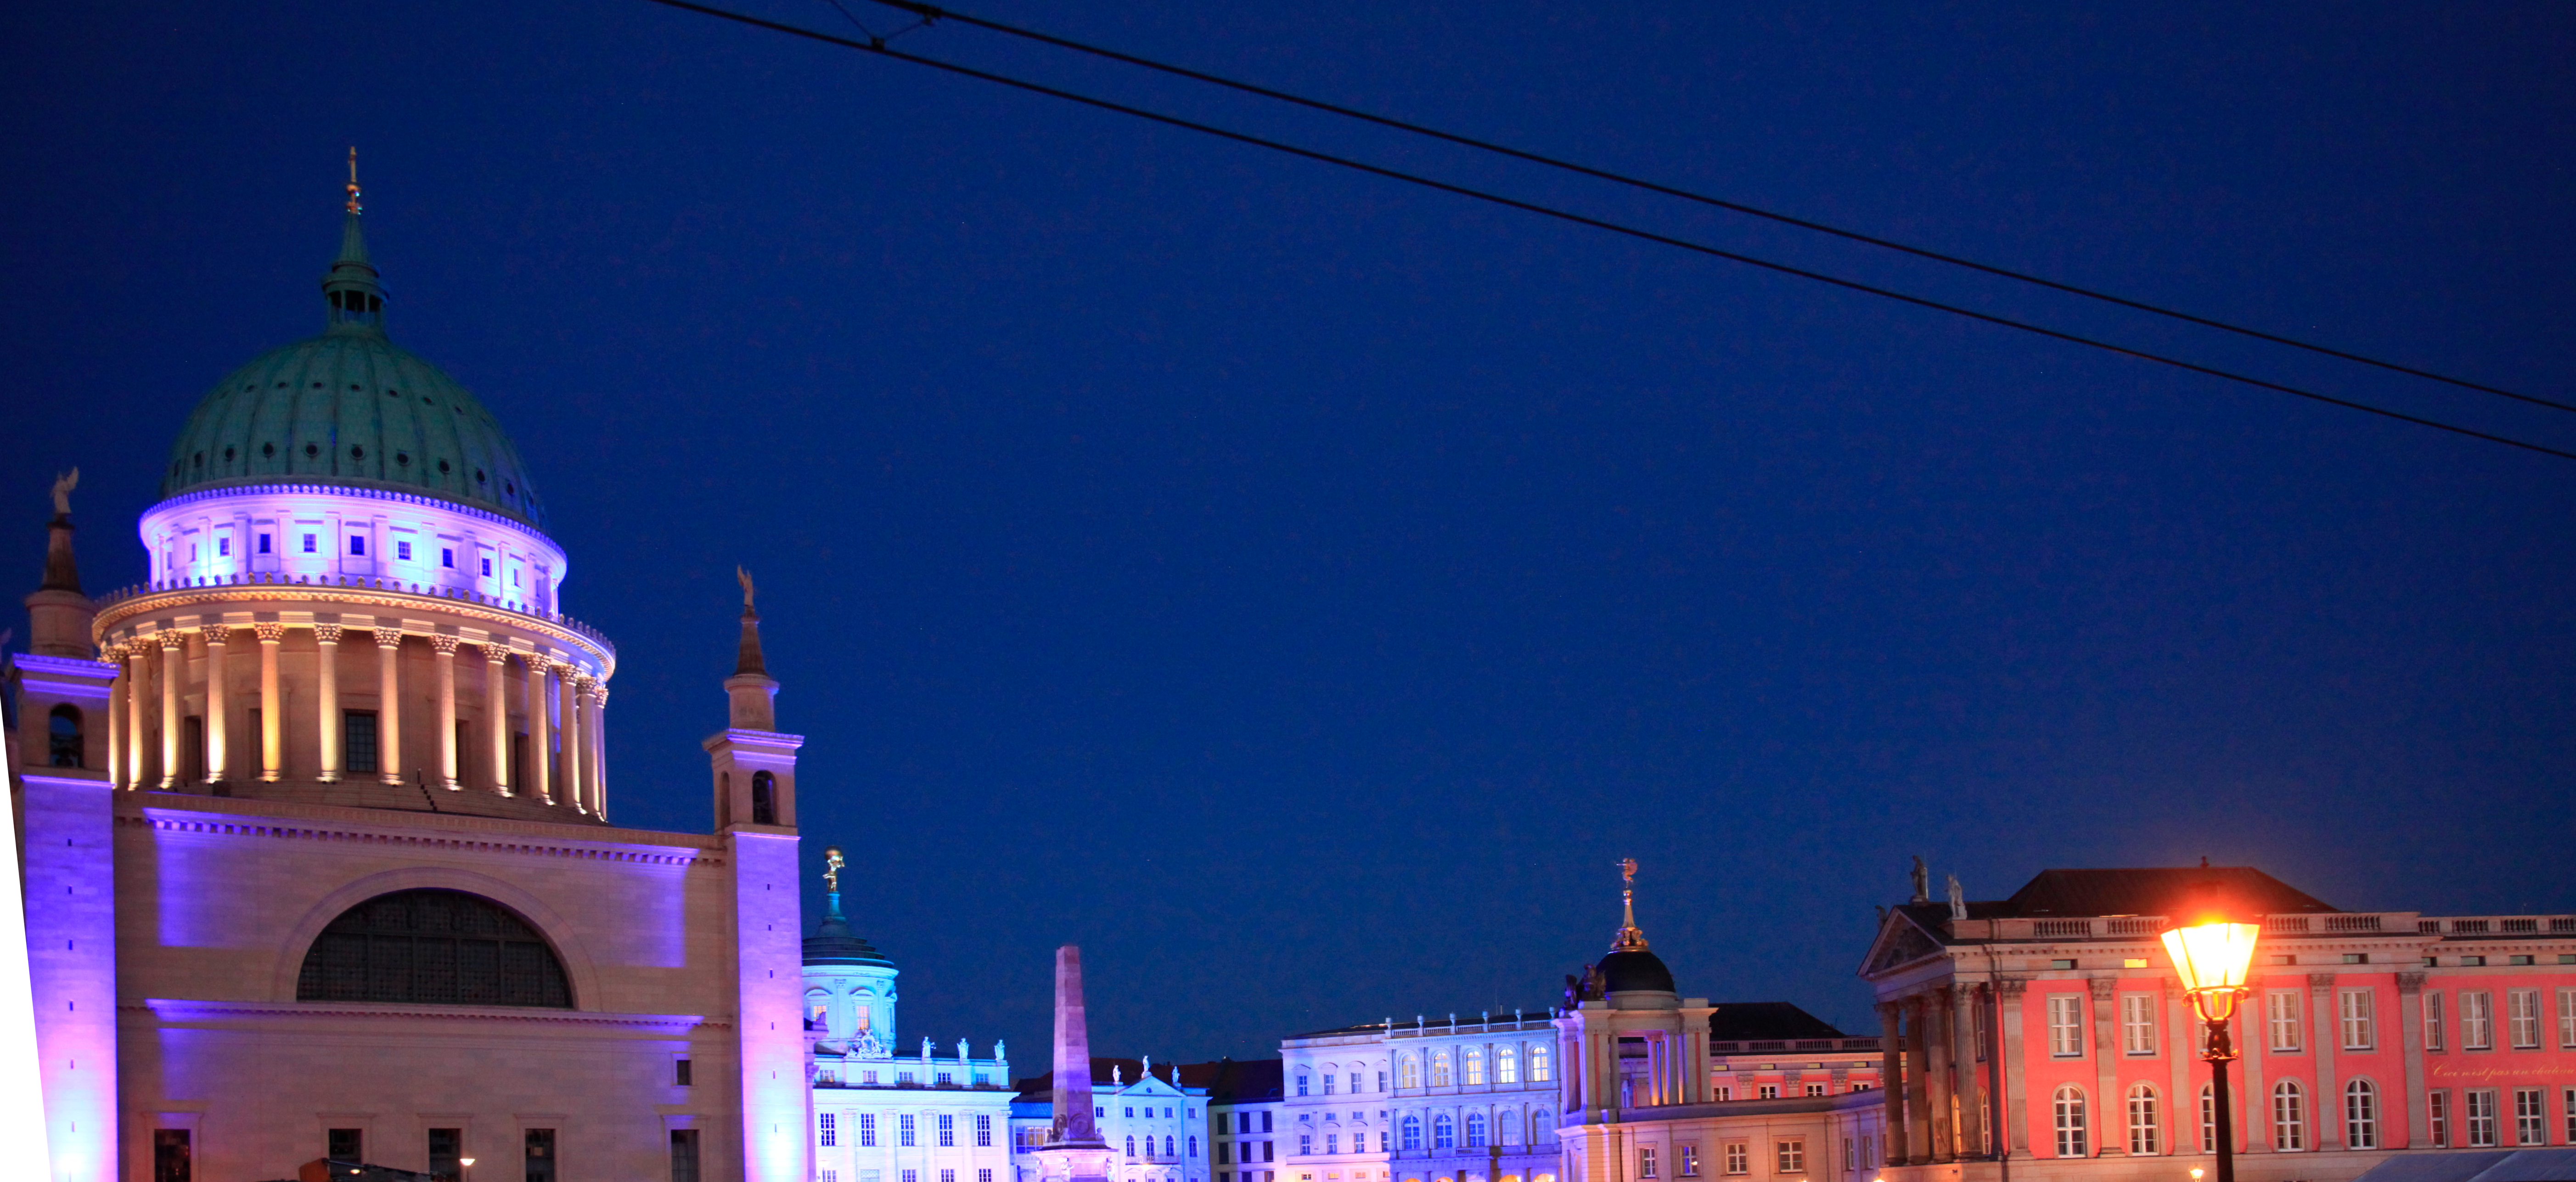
(317, 820)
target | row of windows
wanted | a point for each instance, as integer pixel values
(833, 1175)
(827, 1128)
(174, 1153)
(311, 543)
(2482, 1121)
(1467, 1065)
(2356, 1021)
(1252, 1151)
(1772, 1091)
(2070, 1119)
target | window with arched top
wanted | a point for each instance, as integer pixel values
(1473, 1060)
(1439, 1069)
(1539, 1064)
(2361, 1114)
(1444, 1132)
(1475, 1130)
(1507, 1127)
(2289, 1116)
(764, 798)
(1412, 1128)
(433, 947)
(1507, 1065)
(2143, 1123)
(63, 745)
(1408, 1074)
(2073, 1138)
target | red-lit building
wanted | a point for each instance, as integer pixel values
(2044, 1035)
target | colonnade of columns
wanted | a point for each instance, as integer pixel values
(151, 696)
(1937, 1102)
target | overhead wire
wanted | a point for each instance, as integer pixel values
(878, 45)
(929, 12)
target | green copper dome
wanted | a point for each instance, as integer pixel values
(350, 408)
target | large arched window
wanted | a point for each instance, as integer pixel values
(1444, 1132)
(1412, 1127)
(2072, 1139)
(1473, 1059)
(1475, 1130)
(1538, 1064)
(1439, 1069)
(2143, 1141)
(1408, 1074)
(63, 736)
(1507, 1065)
(2289, 1116)
(433, 947)
(764, 798)
(1508, 1127)
(2361, 1115)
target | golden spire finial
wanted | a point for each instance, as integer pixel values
(353, 178)
(832, 868)
(1629, 938)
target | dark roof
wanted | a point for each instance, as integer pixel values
(1634, 972)
(2153, 890)
(1230, 1081)
(834, 943)
(1040, 1087)
(1736, 1021)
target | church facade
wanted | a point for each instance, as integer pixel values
(317, 821)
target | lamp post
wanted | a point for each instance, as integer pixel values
(468, 1164)
(2211, 958)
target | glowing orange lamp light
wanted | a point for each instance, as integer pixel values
(2212, 958)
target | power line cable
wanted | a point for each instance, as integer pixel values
(878, 46)
(929, 12)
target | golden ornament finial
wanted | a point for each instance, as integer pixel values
(744, 577)
(353, 178)
(832, 868)
(1629, 938)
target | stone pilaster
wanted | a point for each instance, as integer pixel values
(444, 647)
(326, 698)
(2016, 1104)
(1891, 1073)
(174, 676)
(218, 703)
(2410, 1035)
(2327, 1109)
(272, 744)
(496, 713)
(2110, 1107)
(389, 764)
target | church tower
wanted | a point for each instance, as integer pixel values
(754, 765)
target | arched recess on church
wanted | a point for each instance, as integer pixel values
(555, 931)
(433, 947)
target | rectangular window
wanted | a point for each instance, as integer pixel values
(947, 1131)
(223, 547)
(984, 1175)
(1265, 1126)
(2567, 1017)
(983, 1129)
(2530, 1118)
(1851, 1156)
(2355, 1010)
(909, 1175)
(2437, 1111)
(903, 1131)
(263, 543)
(947, 1176)
(537, 1156)
(358, 740)
(1381, 1081)
(681, 1073)
(2281, 1020)
(1332, 1142)
(1815, 1089)
(2138, 1023)
(2066, 1026)
(1739, 1158)
(310, 541)
(1725, 1093)
(1645, 1161)
(1793, 1155)
(826, 1130)
(348, 1145)
(1225, 1153)
(1768, 1092)
(445, 1146)
(2522, 1018)
(1305, 1144)
(2433, 1023)
(2567, 1105)
(2477, 1021)
(1686, 1160)
(357, 544)
(868, 1129)
(2482, 1117)
(171, 1161)
(402, 550)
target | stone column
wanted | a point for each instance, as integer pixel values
(218, 718)
(2183, 1047)
(1968, 1133)
(541, 732)
(272, 745)
(114, 654)
(594, 737)
(2253, 1104)
(326, 692)
(1891, 1078)
(568, 684)
(496, 711)
(1919, 1149)
(138, 709)
(1940, 1106)
(389, 704)
(2015, 1133)
(446, 649)
(2410, 1036)
(2111, 1124)
(2326, 1107)
(174, 674)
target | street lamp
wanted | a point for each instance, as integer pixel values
(468, 1164)
(2211, 958)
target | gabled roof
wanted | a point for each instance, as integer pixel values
(1231, 1081)
(1736, 1021)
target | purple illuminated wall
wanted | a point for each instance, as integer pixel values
(769, 925)
(71, 952)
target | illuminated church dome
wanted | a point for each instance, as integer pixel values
(348, 407)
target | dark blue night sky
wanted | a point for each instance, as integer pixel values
(1300, 589)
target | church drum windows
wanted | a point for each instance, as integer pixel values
(433, 947)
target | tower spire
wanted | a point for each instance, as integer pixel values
(753, 691)
(1629, 938)
(58, 611)
(355, 301)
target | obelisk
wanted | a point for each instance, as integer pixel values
(1074, 1151)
